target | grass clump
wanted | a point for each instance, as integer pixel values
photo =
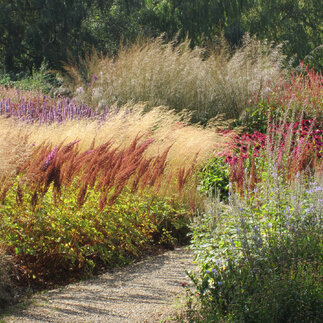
(177, 76)
(14, 150)
(189, 142)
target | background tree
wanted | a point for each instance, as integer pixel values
(298, 23)
(35, 30)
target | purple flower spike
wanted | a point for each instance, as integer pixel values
(94, 78)
(49, 159)
(45, 111)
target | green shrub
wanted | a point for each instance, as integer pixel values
(57, 239)
(40, 80)
(261, 255)
(214, 178)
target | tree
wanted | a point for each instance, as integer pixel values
(298, 23)
(34, 30)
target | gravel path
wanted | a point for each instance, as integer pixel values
(142, 292)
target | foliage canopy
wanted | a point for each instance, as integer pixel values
(53, 30)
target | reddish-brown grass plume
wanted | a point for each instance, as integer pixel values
(105, 168)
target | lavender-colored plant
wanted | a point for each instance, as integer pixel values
(45, 110)
(261, 255)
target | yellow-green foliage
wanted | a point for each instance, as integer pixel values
(70, 211)
(54, 240)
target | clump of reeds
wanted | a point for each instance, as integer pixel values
(180, 77)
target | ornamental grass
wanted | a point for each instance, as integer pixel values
(206, 83)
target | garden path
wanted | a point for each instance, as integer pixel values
(142, 292)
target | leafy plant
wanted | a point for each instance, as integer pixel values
(261, 256)
(54, 241)
(214, 178)
(70, 212)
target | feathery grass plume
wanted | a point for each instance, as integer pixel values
(163, 126)
(183, 175)
(106, 169)
(34, 173)
(45, 168)
(180, 77)
(142, 170)
(15, 148)
(81, 197)
(49, 159)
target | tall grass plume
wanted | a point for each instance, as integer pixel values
(180, 77)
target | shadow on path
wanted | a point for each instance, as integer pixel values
(141, 292)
